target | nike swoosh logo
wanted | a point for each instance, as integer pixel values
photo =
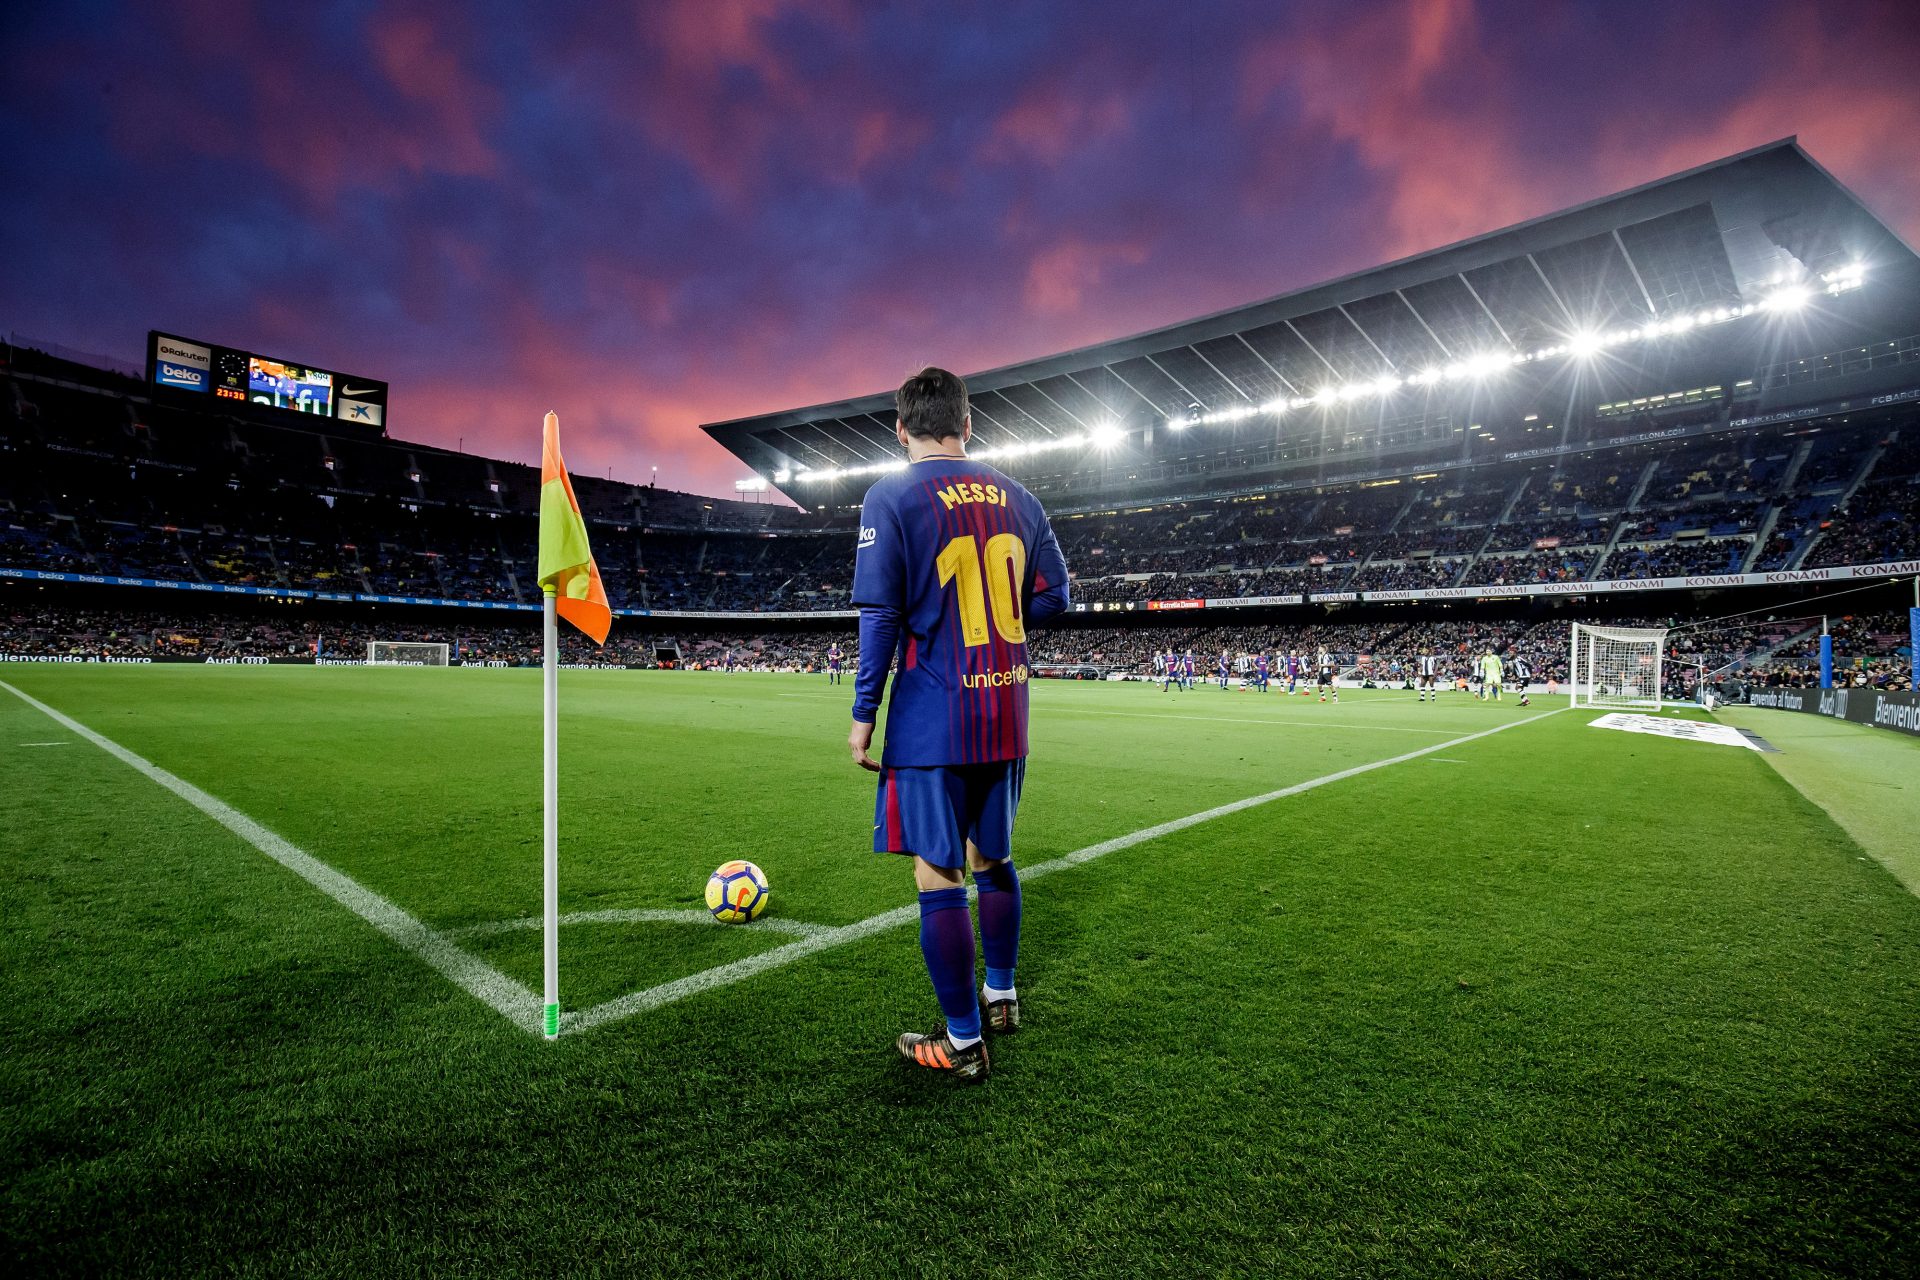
(359, 391)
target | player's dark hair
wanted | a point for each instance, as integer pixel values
(932, 404)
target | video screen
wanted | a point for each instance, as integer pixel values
(232, 374)
(290, 386)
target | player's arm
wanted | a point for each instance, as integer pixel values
(879, 591)
(1048, 593)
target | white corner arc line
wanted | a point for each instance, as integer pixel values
(723, 975)
(482, 981)
(644, 915)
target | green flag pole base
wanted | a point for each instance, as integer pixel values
(553, 1022)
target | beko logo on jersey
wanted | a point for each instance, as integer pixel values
(868, 536)
(956, 494)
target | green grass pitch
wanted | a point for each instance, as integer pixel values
(1553, 1001)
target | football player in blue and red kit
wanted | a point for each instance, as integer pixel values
(834, 658)
(955, 560)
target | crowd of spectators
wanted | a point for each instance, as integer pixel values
(102, 484)
(1867, 653)
(1869, 649)
(1676, 559)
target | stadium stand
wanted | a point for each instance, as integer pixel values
(1419, 433)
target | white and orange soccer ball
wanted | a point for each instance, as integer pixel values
(737, 892)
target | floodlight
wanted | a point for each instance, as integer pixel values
(1791, 298)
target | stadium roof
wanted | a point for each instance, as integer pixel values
(1709, 244)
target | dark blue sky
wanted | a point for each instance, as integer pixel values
(655, 214)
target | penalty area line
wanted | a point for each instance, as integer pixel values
(739, 970)
(478, 979)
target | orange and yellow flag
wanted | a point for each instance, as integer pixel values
(566, 561)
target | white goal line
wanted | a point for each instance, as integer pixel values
(512, 1001)
(521, 1007)
(723, 975)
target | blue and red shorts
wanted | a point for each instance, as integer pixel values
(932, 812)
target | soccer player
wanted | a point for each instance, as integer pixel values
(1491, 673)
(954, 561)
(1169, 671)
(834, 658)
(1326, 677)
(1429, 676)
(1260, 670)
(1186, 669)
(1293, 672)
(1224, 665)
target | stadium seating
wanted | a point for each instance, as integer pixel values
(97, 482)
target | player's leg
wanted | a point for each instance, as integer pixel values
(993, 803)
(921, 811)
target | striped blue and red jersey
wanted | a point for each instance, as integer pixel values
(955, 560)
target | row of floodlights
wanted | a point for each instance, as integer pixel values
(1784, 300)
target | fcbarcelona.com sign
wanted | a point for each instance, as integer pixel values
(1881, 709)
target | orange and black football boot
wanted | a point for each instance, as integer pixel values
(1002, 1017)
(934, 1050)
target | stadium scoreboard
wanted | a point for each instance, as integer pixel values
(229, 374)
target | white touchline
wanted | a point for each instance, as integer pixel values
(1175, 715)
(1054, 708)
(722, 975)
(642, 915)
(484, 983)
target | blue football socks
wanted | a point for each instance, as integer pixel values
(999, 887)
(946, 941)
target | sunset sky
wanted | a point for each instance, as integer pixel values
(651, 215)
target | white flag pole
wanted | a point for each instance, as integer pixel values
(550, 811)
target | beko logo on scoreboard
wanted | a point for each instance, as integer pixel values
(180, 375)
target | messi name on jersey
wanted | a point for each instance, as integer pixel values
(955, 495)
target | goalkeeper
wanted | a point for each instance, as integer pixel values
(1492, 671)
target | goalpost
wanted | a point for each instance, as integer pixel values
(1616, 667)
(405, 653)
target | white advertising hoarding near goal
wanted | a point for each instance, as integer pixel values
(1692, 730)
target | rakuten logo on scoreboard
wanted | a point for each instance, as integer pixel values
(179, 363)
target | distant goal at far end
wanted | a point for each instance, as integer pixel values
(405, 653)
(1616, 667)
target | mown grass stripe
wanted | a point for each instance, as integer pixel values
(739, 970)
(478, 979)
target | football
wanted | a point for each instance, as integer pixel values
(737, 892)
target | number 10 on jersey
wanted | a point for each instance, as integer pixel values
(989, 589)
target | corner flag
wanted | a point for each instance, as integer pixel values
(567, 571)
(570, 581)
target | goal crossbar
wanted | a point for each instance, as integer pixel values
(1616, 667)
(406, 653)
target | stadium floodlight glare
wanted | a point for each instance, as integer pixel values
(1789, 299)
(752, 484)
(1781, 296)
(782, 476)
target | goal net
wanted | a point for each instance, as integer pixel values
(1616, 667)
(405, 653)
